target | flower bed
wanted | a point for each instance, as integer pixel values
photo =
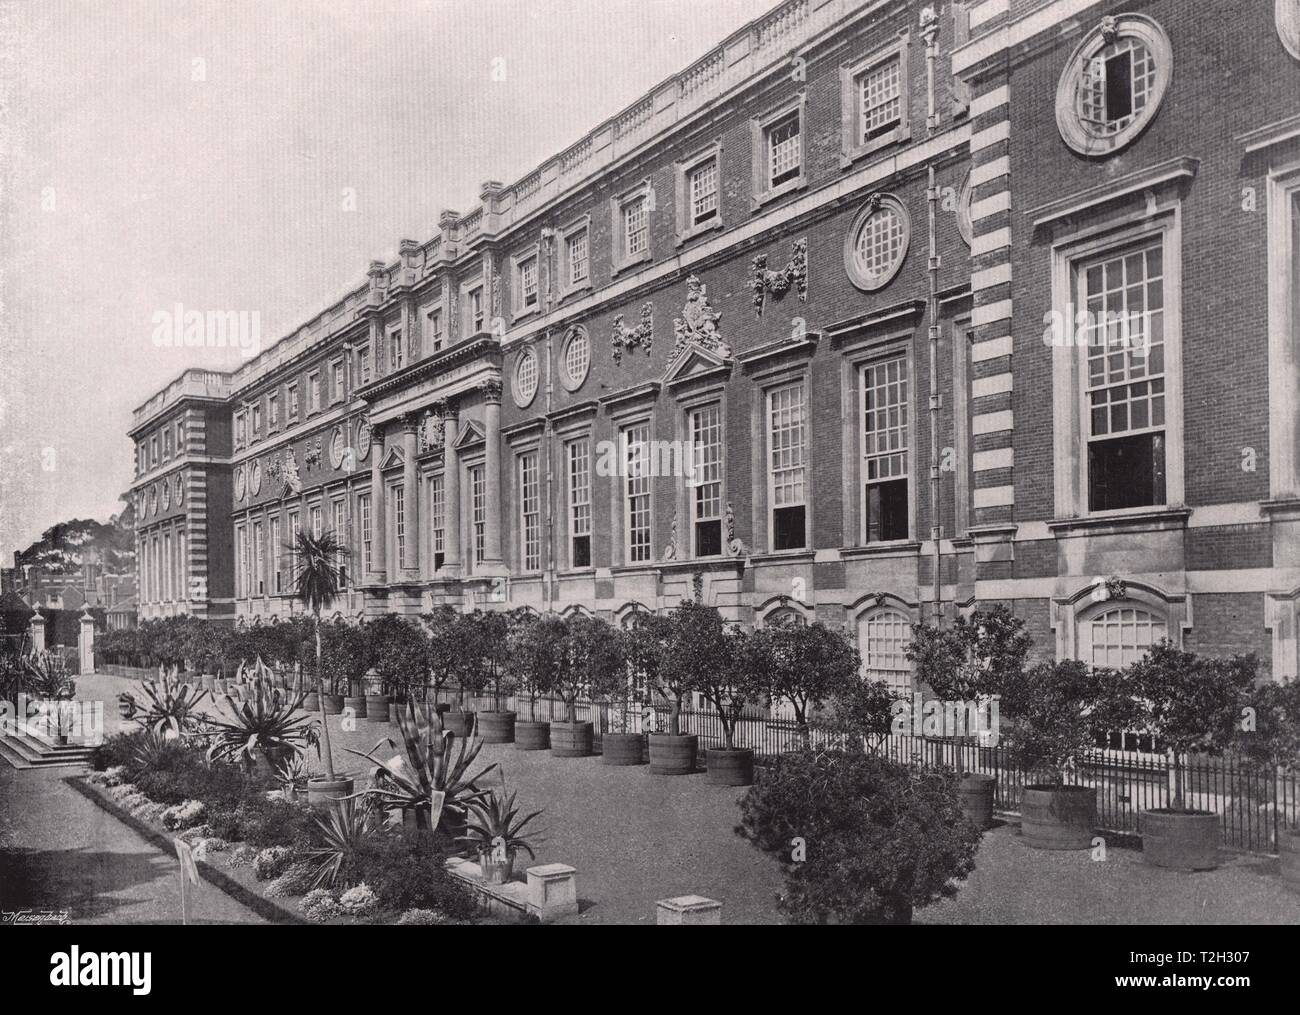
(270, 847)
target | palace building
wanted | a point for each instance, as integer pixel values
(880, 311)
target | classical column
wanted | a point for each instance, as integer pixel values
(410, 561)
(450, 491)
(378, 507)
(491, 391)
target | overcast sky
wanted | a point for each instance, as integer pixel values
(174, 151)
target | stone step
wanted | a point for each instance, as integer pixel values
(12, 757)
(36, 753)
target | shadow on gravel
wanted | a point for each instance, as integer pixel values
(79, 880)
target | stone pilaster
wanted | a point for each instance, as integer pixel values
(491, 391)
(378, 508)
(410, 562)
(451, 491)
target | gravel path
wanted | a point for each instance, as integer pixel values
(635, 838)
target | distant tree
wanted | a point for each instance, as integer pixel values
(976, 656)
(810, 665)
(538, 652)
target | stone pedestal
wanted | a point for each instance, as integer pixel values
(552, 891)
(688, 910)
(38, 632)
(86, 641)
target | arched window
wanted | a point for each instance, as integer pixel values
(883, 637)
(784, 615)
(1119, 635)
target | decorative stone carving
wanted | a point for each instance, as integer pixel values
(735, 547)
(779, 282)
(433, 426)
(670, 551)
(1287, 15)
(640, 337)
(698, 324)
(313, 454)
(491, 389)
(292, 481)
(494, 280)
(1109, 28)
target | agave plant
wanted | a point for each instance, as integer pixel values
(264, 722)
(291, 773)
(342, 831)
(428, 780)
(48, 676)
(495, 828)
(170, 705)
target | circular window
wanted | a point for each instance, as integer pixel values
(239, 483)
(255, 478)
(180, 491)
(1287, 13)
(337, 443)
(877, 242)
(167, 496)
(525, 385)
(576, 355)
(964, 224)
(1113, 85)
(364, 438)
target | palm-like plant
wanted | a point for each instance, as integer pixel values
(342, 831)
(266, 723)
(316, 580)
(428, 781)
(170, 706)
(495, 828)
(48, 676)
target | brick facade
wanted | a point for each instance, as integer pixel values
(415, 390)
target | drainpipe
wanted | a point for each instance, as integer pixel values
(930, 32)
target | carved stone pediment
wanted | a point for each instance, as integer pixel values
(699, 323)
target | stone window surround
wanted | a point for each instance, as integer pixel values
(963, 373)
(466, 311)
(525, 352)
(627, 413)
(581, 427)
(853, 358)
(1069, 408)
(518, 311)
(1157, 44)
(528, 443)
(1283, 189)
(762, 385)
(682, 170)
(851, 147)
(565, 288)
(758, 129)
(570, 333)
(621, 261)
(870, 607)
(859, 280)
(1079, 607)
(336, 396)
(684, 491)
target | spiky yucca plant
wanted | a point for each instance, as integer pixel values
(428, 781)
(341, 830)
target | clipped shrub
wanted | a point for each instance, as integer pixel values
(296, 880)
(408, 873)
(272, 862)
(243, 856)
(261, 822)
(359, 900)
(319, 905)
(183, 815)
(880, 838)
(421, 918)
(204, 849)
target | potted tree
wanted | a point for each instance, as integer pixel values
(674, 651)
(593, 661)
(399, 657)
(345, 660)
(883, 838)
(970, 661)
(537, 651)
(446, 650)
(733, 674)
(492, 646)
(620, 744)
(1187, 703)
(316, 581)
(1052, 716)
(1272, 744)
(809, 664)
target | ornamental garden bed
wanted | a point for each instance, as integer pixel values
(268, 852)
